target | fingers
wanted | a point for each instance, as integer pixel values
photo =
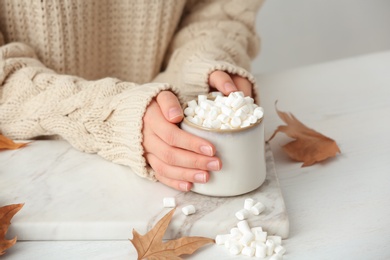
(227, 83)
(176, 177)
(243, 85)
(222, 82)
(179, 157)
(173, 135)
(170, 106)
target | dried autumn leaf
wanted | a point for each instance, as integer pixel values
(309, 146)
(6, 214)
(8, 144)
(150, 245)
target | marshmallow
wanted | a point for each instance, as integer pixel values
(225, 126)
(216, 94)
(188, 210)
(169, 202)
(230, 99)
(248, 203)
(221, 239)
(249, 100)
(248, 251)
(233, 246)
(235, 233)
(256, 229)
(245, 123)
(261, 250)
(189, 111)
(197, 120)
(276, 257)
(235, 122)
(261, 236)
(277, 240)
(227, 111)
(242, 214)
(258, 112)
(257, 208)
(252, 119)
(238, 102)
(201, 98)
(270, 246)
(243, 226)
(246, 239)
(280, 250)
(223, 118)
(192, 104)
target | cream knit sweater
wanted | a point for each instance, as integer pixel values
(85, 70)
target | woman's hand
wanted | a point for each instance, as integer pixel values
(177, 157)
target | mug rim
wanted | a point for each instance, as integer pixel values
(230, 130)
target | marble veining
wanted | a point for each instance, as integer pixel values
(70, 195)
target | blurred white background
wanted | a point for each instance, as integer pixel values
(303, 32)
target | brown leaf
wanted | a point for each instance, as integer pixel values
(309, 146)
(8, 144)
(150, 245)
(6, 214)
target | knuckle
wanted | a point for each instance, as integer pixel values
(169, 157)
(170, 138)
(197, 163)
(160, 169)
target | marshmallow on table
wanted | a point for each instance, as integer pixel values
(277, 240)
(276, 257)
(235, 233)
(221, 239)
(242, 214)
(248, 251)
(280, 250)
(188, 210)
(270, 244)
(257, 208)
(169, 202)
(248, 203)
(246, 239)
(251, 241)
(261, 250)
(243, 226)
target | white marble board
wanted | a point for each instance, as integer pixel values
(70, 195)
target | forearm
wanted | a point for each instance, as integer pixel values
(103, 116)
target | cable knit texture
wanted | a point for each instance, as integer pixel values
(86, 70)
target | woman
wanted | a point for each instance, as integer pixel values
(111, 77)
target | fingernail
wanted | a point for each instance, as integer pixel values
(200, 177)
(213, 166)
(183, 186)
(229, 87)
(174, 112)
(206, 150)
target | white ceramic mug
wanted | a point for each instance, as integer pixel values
(243, 159)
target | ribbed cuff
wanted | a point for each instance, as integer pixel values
(196, 75)
(125, 122)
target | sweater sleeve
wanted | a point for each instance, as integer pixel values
(102, 116)
(213, 35)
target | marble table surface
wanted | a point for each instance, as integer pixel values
(338, 209)
(70, 195)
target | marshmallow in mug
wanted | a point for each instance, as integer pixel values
(231, 112)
